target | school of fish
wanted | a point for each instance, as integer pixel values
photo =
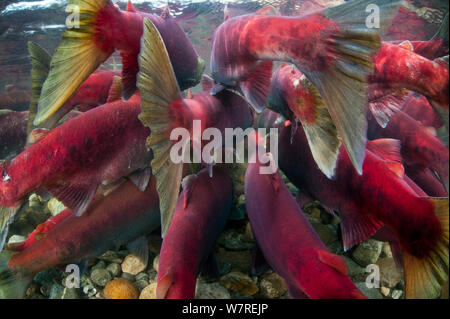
(363, 129)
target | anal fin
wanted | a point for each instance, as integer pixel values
(75, 194)
(357, 227)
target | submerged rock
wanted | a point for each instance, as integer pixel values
(239, 284)
(100, 277)
(211, 291)
(133, 265)
(149, 292)
(115, 269)
(371, 293)
(55, 206)
(390, 275)
(120, 288)
(368, 252)
(272, 286)
(111, 256)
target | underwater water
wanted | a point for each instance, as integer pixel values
(112, 269)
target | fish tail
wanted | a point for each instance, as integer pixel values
(158, 87)
(10, 287)
(77, 56)
(343, 86)
(442, 33)
(424, 277)
(40, 60)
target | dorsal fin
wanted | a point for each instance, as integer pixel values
(334, 261)
(130, 7)
(268, 11)
(115, 91)
(407, 45)
(389, 151)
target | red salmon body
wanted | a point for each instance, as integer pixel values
(418, 146)
(201, 213)
(13, 133)
(108, 29)
(97, 147)
(122, 216)
(420, 110)
(378, 197)
(300, 257)
(397, 68)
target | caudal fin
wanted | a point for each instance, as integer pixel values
(40, 60)
(76, 57)
(10, 287)
(158, 87)
(343, 86)
(425, 277)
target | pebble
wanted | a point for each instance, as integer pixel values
(149, 292)
(133, 265)
(239, 260)
(120, 288)
(141, 284)
(371, 293)
(114, 268)
(385, 291)
(142, 276)
(239, 283)
(397, 294)
(128, 276)
(368, 252)
(48, 277)
(336, 248)
(272, 286)
(55, 206)
(111, 256)
(355, 271)
(16, 239)
(70, 293)
(100, 277)
(89, 290)
(387, 250)
(34, 200)
(327, 233)
(156, 262)
(211, 291)
(390, 275)
(100, 265)
(55, 291)
(232, 240)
